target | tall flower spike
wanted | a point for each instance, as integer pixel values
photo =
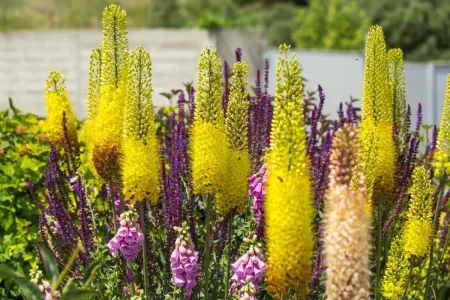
(398, 92)
(58, 102)
(208, 153)
(418, 228)
(141, 155)
(94, 82)
(442, 157)
(105, 123)
(346, 240)
(395, 278)
(288, 206)
(234, 193)
(114, 46)
(377, 120)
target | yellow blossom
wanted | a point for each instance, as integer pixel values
(288, 204)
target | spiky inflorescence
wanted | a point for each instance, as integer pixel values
(442, 157)
(208, 139)
(288, 206)
(105, 123)
(398, 93)
(395, 277)
(377, 120)
(94, 82)
(234, 193)
(346, 220)
(140, 170)
(418, 228)
(58, 102)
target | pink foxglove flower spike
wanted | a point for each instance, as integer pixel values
(248, 271)
(183, 261)
(129, 237)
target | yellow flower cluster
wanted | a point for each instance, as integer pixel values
(140, 171)
(347, 233)
(235, 191)
(288, 203)
(395, 277)
(377, 120)
(418, 229)
(106, 96)
(57, 102)
(442, 157)
(208, 139)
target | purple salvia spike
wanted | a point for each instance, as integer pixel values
(181, 135)
(267, 120)
(165, 193)
(266, 76)
(408, 124)
(444, 201)
(226, 88)
(258, 84)
(191, 105)
(238, 54)
(419, 118)
(319, 265)
(312, 142)
(86, 234)
(223, 232)
(444, 230)
(396, 211)
(173, 128)
(68, 146)
(151, 261)
(340, 113)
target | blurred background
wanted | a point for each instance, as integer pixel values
(37, 36)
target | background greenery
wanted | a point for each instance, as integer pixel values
(420, 27)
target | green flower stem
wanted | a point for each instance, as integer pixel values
(207, 231)
(227, 273)
(378, 257)
(144, 249)
(435, 222)
(68, 266)
(113, 208)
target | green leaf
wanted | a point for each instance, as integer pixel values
(92, 269)
(79, 295)
(51, 268)
(7, 272)
(29, 290)
(69, 287)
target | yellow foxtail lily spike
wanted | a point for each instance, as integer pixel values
(105, 128)
(442, 156)
(235, 192)
(141, 166)
(288, 204)
(208, 139)
(377, 120)
(57, 102)
(418, 229)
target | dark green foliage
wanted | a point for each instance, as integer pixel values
(420, 28)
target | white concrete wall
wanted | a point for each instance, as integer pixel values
(26, 57)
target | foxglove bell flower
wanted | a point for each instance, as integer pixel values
(183, 261)
(129, 237)
(248, 271)
(44, 286)
(257, 182)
